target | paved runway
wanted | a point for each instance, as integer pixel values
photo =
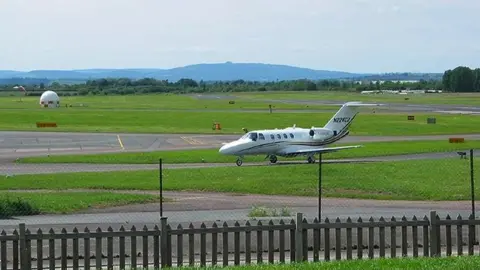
(388, 106)
(20, 144)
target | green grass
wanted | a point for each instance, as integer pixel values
(442, 98)
(212, 156)
(245, 100)
(65, 202)
(439, 179)
(150, 102)
(444, 263)
(143, 113)
(91, 120)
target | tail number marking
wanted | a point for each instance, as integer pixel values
(341, 120)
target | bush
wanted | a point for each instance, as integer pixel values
(261, 211)
(10, 207)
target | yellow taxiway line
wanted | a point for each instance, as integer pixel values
(120, 142)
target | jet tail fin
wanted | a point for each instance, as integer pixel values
(343, 118)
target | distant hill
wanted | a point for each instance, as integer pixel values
(207, 72)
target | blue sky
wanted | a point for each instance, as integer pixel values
(348, 35)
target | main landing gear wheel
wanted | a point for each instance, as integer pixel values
(239, 162)
(273, 159)
(311, 160)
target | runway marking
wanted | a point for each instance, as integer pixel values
(120, 142)
(191, 140)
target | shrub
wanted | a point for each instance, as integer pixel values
(10, 207)
(261, 211)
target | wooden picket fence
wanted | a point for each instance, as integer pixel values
(276, 241)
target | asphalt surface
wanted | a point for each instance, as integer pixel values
(20, 144)
(390, 106)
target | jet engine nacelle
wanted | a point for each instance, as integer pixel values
(320, 133)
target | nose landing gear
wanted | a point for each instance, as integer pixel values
(239, 162)
(273, 159)
(311, 159)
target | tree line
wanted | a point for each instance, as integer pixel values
(124, 86)
(460, 79)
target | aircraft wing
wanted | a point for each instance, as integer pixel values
(324, 150)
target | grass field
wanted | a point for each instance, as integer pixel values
(143, 113)
(151, 102)
(444, 263)
(443, 179)
(90, 120)
(442, 98)
(422, 263)
(212, 156)
(67, 202)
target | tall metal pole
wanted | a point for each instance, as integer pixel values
(161, 186)
(320, 187)
(472, 183)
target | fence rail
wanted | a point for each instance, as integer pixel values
(235, 244)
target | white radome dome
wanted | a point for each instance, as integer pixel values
(49, 99)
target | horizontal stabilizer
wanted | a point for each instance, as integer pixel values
(325, 149)
(360, 104)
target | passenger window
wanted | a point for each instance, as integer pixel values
(285, 136)
(272, 136)
(260, 135)
(278, 136)
(291, 135)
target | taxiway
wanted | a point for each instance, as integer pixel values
(15, 144)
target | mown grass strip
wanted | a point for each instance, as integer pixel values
(29, 203)
(370, 149)
(438, 179)
(94, 120)
(444, 263)
(153, 102)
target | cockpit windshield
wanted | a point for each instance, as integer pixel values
(250, 135)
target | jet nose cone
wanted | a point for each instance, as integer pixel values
(227, 149)
(223, 149)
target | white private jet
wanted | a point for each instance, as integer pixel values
(294, 141)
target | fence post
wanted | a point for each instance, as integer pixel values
(299, 238)
(472, 183)
(163, 241)
(22, 240)
(434, 235)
